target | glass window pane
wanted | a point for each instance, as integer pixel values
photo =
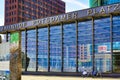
(69, 40)
(23, 54)
(85, 46)
(43, 49)
(31, 50)
(102, 45)
(116, 44)
(55, 48)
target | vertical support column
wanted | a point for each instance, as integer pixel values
(19, 58)
(111, 40)
(25, 49)
(93, 51)
(76, 46)
(6, 36)
(62, 56)
(0, 39)
(36, 48)
(48, 48)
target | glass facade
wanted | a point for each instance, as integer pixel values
(31, 50)
(74, 46)
(43, 49)
(85, 46)
(116, 44)
(69, 44)
(95, 3)
(23, 48)
(106, 2)
(102, 45)
(55, 48)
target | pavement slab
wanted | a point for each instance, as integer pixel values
(30, 77)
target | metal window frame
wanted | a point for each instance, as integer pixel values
(111, 40)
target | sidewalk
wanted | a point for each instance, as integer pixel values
(29, 77)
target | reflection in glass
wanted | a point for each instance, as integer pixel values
(31, 50)
(69, 43)
(23, 55)
(102, 45)
(106, 2)
(43, 49)
(116, 44)
(85, 46)
(55, 48)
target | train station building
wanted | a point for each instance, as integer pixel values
(87, 39)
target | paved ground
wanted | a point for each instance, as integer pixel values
(63, 78)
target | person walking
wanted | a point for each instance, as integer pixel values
(84, 73)
(94, 73)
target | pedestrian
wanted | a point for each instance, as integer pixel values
(94, 73)
(84, 73)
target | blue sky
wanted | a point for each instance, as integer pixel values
(71, 5)
(1, 12)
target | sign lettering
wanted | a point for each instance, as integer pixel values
(64, 17)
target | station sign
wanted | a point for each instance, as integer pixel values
(108, 9)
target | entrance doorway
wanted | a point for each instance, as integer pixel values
(116, 62)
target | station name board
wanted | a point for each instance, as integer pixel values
(63, 17)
